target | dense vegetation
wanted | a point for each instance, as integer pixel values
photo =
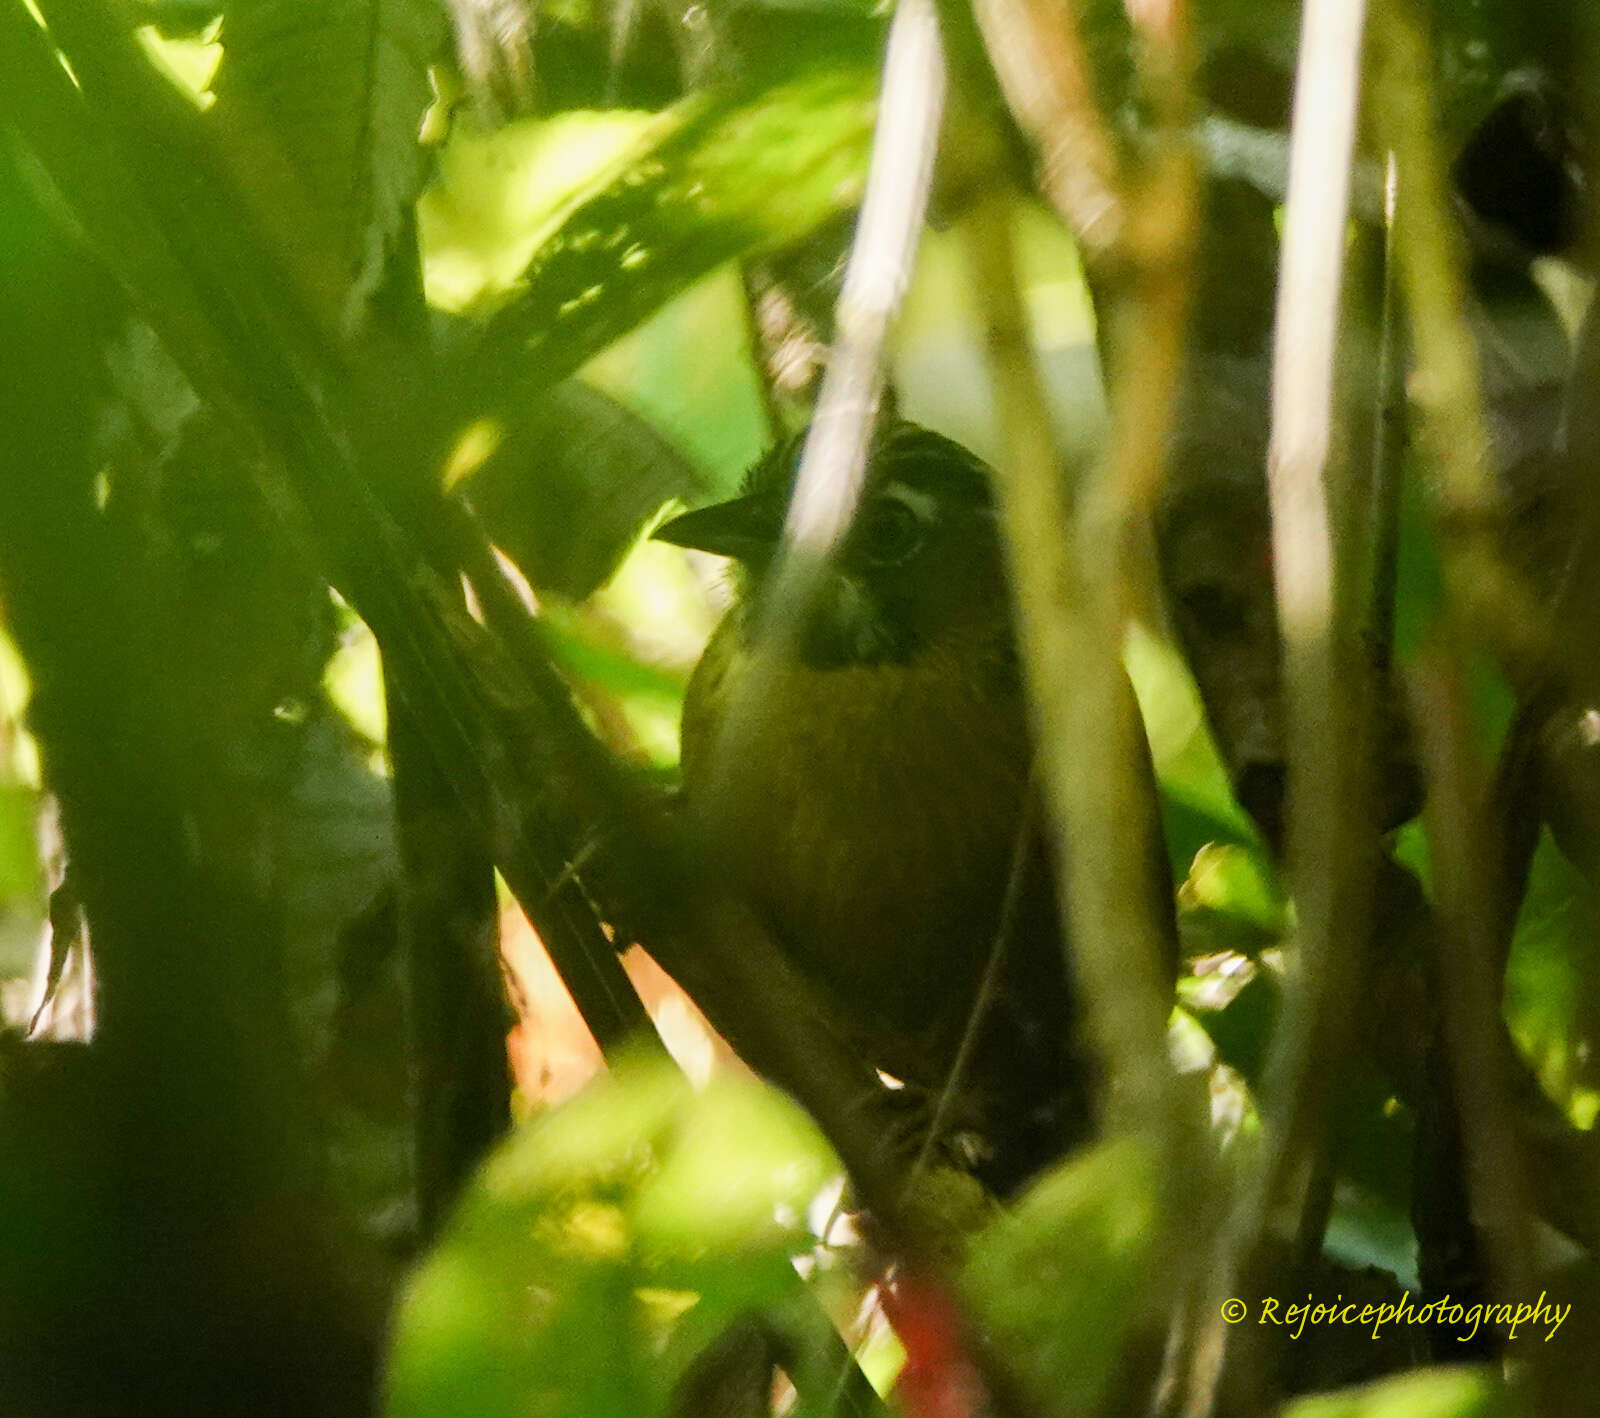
(352, 350)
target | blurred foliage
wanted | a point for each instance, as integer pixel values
(561, 224)
(604, 1245)
(718, 176)
(1066, 1282)
(20, 877)
(331, 99)
(579, 459)
(1440, 1393)
(21, 872)
(495, 197)
(1550, 999)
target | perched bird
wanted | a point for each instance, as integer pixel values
(879, 815)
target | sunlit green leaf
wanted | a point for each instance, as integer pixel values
(744, 1162)
(1064, 1283)
(496, 196)
(21, 878)
(571, 479)
(690, 375)
(191, 63)
(583, 656)
(1549, 980)
(329, 95)
(721, 175)
(1197, 804)
(1232, 881)
(603, 1246)
(1431, 1393)
(354, 682)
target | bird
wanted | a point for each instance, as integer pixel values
(881, 817)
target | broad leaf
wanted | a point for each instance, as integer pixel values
(1549, 982)
(1064, 1284)
(568, 485)
(604, 1246)
(1429, 1393)
(721, 176)
(330, 95)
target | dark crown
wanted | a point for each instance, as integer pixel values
(901, 452)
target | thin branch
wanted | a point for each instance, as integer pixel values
(1466, 969)
(1388, 455)
(1065, 570)
(1488, 602)
(833, 462)
(1321, 147)
(761, 354)
(1323, 709)
(1067, 575)
(1073, 550)
(1465, 495)
(989, 982)
(1318, 710)
(1037, 53)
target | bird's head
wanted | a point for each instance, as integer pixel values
(920, 563)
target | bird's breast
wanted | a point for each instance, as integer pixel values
(871, 813)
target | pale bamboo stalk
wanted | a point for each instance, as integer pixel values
(1037, 53)
(1465, 957)
(1322, 710)
(833, 462)
(1064, 569)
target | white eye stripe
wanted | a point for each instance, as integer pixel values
(922, 505)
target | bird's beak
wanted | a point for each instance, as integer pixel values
(747, 528)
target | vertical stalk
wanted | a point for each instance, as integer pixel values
(1066, 570)
(1276, 1220)
(833, 462)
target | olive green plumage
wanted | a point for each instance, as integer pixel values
(876, 813)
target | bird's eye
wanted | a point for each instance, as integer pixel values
(890, 534)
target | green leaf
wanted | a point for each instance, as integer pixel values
(582, 655)
(685, 374)
(742, 1160)
(329, 95)
(21, 877)
(496, 197)
(1549, 990)
(1237, 883)
(570, 483)
(1064, 1284)
(1230, 903)
(1429, 1393)
(603, 1245)
(722, 175)
(1197, 805)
